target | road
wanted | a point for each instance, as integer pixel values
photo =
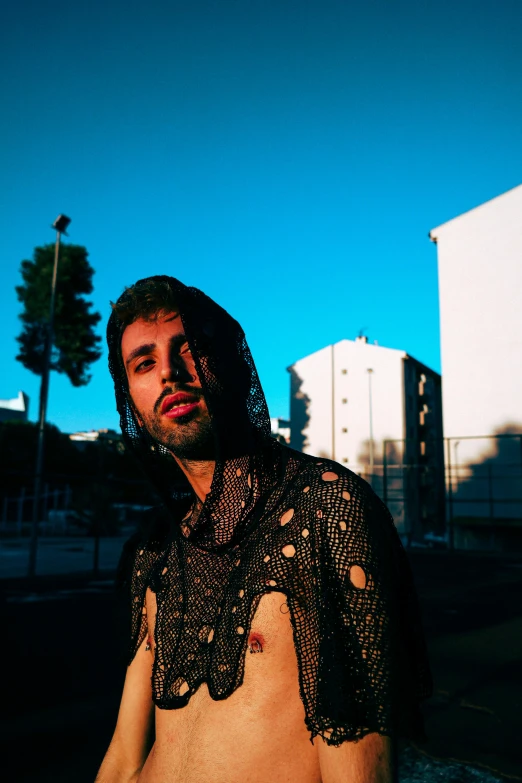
(58, 555)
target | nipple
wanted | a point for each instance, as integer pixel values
(255, 643)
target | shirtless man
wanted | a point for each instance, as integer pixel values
(230, 686)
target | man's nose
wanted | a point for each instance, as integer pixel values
(170, 368)
(173, 369)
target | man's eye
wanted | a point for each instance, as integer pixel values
(185, 349)
(143, 365)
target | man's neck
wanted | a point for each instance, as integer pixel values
(199, 473)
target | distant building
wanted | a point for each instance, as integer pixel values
(480, 282)
(280, 430)
(16, 409)
(94, 436)
(348, 399)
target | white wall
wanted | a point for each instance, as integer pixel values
(480, 284)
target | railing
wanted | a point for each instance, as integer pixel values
(463, 493)
(83, 521)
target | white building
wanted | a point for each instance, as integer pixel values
(280, 429)
(347, 399)
(16, 409)
(95, 436)
(480, 287)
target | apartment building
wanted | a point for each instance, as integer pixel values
(377, 411)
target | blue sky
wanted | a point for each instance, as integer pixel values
(289, 158)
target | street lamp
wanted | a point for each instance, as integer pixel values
(60, 225)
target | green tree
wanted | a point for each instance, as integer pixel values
(75, 344)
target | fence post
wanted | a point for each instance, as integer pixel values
(384, 473)
(45, 517)
(96, 523)
(450, 496)
(60, 525)
(407, 501)
(491, 505)
(96, 553)
(20, 511)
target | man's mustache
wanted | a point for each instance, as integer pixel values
(197, 393)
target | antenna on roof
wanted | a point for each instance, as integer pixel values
(361, 337)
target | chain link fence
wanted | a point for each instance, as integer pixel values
(82, 521)
(457, 493)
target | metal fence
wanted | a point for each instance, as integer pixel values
(83, 521)
(462, 493)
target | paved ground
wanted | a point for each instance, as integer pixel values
(58, 555)
(472, 609)
(65, 644)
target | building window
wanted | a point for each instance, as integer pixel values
(345, 459)
(423, 448)
(344, 372)
(345, 429)
(344, 400)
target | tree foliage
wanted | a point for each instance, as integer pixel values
(75, 343)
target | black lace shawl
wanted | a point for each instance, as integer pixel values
(275, 520)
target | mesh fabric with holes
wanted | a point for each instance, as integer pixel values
(275, 519)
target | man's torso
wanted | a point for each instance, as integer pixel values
(257, 734)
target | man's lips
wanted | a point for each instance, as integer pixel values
(179, 404)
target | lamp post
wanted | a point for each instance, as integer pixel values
(370, 373)
(60, 225)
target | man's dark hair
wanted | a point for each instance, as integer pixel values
(147, 299)
(215, 338)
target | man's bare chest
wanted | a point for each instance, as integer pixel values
(212, 615)
(270, 649)
(247, 735)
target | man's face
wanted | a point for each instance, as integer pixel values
(165, 388)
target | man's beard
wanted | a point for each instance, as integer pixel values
(190, 437)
